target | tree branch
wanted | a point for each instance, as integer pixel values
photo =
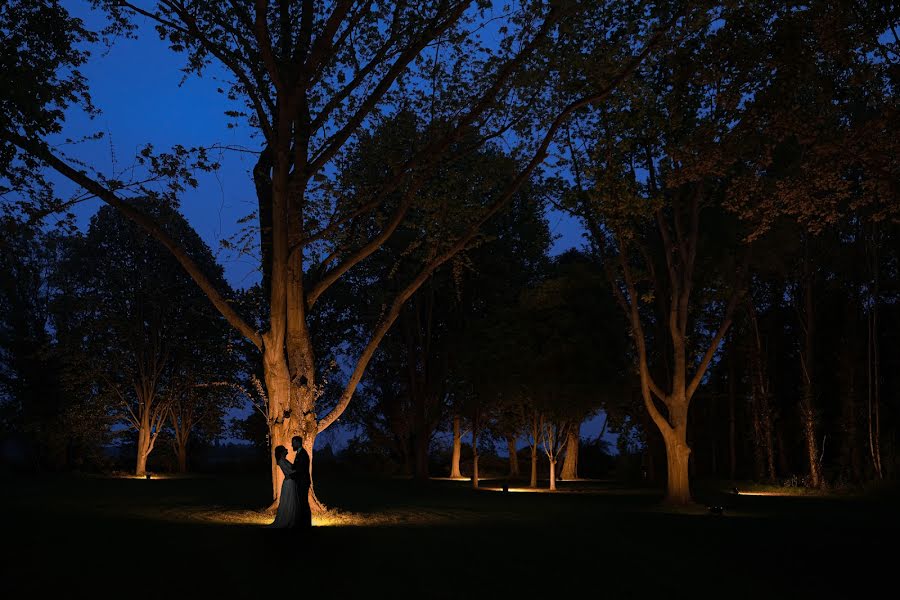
(40, 151)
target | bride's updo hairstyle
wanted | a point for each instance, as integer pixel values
(280, 452)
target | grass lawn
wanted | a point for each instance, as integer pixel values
(197, 537)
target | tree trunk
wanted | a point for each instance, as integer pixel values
(850, 455)
(807, 399)
(513, 457)
(534, 449)
(291, 412)
(420, 454)
(457, 450)
(144, 444)
(475, 449)
(570, 463)
(553, 475)
(678, 489)
(732, 395)
(181, 454)
(873, 405)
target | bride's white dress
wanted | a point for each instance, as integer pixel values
(286, 517)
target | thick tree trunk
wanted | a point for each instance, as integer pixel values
(144, 444)
(678, 453)
(457, 450)
(570, 464)
(553, 475)
(143, 452)
(513, 457)
(291, 412)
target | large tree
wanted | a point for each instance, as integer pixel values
(650, 182)
(311, 78)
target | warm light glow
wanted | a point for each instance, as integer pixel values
(251, 517)
(152, 476)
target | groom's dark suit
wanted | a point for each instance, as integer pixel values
(301, 476)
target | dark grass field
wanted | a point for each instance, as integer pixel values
(198, 537)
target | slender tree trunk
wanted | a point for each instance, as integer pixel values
(783, 461)
(807, 355)
(570, 463)
(534, 450)
(457, 450)
(756, 428)
(873, 410)
(850, 456)
(420, 454)
(732, 395)
(552, 474)
(764, 451)
(475, 449)
(513, 457)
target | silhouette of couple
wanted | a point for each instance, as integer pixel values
(293, 506)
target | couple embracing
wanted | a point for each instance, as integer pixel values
(293, 507)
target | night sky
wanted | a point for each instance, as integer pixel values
(144, 98)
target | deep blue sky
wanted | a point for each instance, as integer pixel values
(143, 98)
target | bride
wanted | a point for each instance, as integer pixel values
(286, 517)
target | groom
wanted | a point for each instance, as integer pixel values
(301, 476)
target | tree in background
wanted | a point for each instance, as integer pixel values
(650, 184)
(53, 427)
(141, 340)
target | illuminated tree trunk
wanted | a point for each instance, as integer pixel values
(144, 447)
(677, 461)
(457, 449)
(149, 415)
(291, 413)
(552, 475)
(513, 457)
(570, 463)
